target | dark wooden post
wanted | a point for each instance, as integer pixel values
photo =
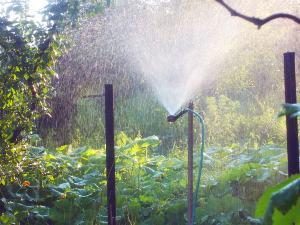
(291, 123)
(190, 163)
(110, 154)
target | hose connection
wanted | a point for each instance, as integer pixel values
(173, 118)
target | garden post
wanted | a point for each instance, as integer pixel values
(190, 163)
(110, 154)
(291, 123)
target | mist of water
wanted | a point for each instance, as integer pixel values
(177, 46)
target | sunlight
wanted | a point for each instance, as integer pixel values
(35, 7)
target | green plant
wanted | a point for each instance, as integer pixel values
(67, 185)
(231, 121)
(29, 51)
(144, 116)
(280, 204)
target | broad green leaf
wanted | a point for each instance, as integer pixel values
(264, 201)
(292, 217)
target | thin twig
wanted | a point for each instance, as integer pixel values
(257, 21)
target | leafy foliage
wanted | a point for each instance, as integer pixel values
(27, 57)
(228, 121)
(280, 204)
(67, 185)
(68, 14)
(28, 54)
(292, 110)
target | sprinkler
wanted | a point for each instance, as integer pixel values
(173, 118)
(192, 197)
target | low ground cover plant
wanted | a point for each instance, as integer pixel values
(67, 185)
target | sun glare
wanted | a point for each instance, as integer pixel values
(35, 7)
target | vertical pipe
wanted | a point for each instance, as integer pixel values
(291, 123)
(108, 3)
(190, 163)
(110, 154)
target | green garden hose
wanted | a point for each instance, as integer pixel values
(173, 118)
(196, 193)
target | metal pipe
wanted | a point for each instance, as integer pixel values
(291, 123)
(173, 118)
(110, 154)
(190, 163)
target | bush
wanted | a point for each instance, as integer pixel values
(228, 121)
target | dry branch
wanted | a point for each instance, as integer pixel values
(257, 21)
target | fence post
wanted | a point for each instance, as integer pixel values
(291, 123)
(110, 154)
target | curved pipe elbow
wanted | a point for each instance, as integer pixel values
(173, 118)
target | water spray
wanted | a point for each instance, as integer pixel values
(192, 197)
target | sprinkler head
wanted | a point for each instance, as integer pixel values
(173, 118)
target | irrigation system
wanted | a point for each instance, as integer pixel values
(192, 196)
(292, 142)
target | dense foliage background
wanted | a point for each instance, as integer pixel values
(48, 67)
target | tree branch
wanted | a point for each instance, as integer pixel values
(257, 21)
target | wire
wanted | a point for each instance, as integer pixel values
(197, 191)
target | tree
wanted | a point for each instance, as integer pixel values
(27, 56)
